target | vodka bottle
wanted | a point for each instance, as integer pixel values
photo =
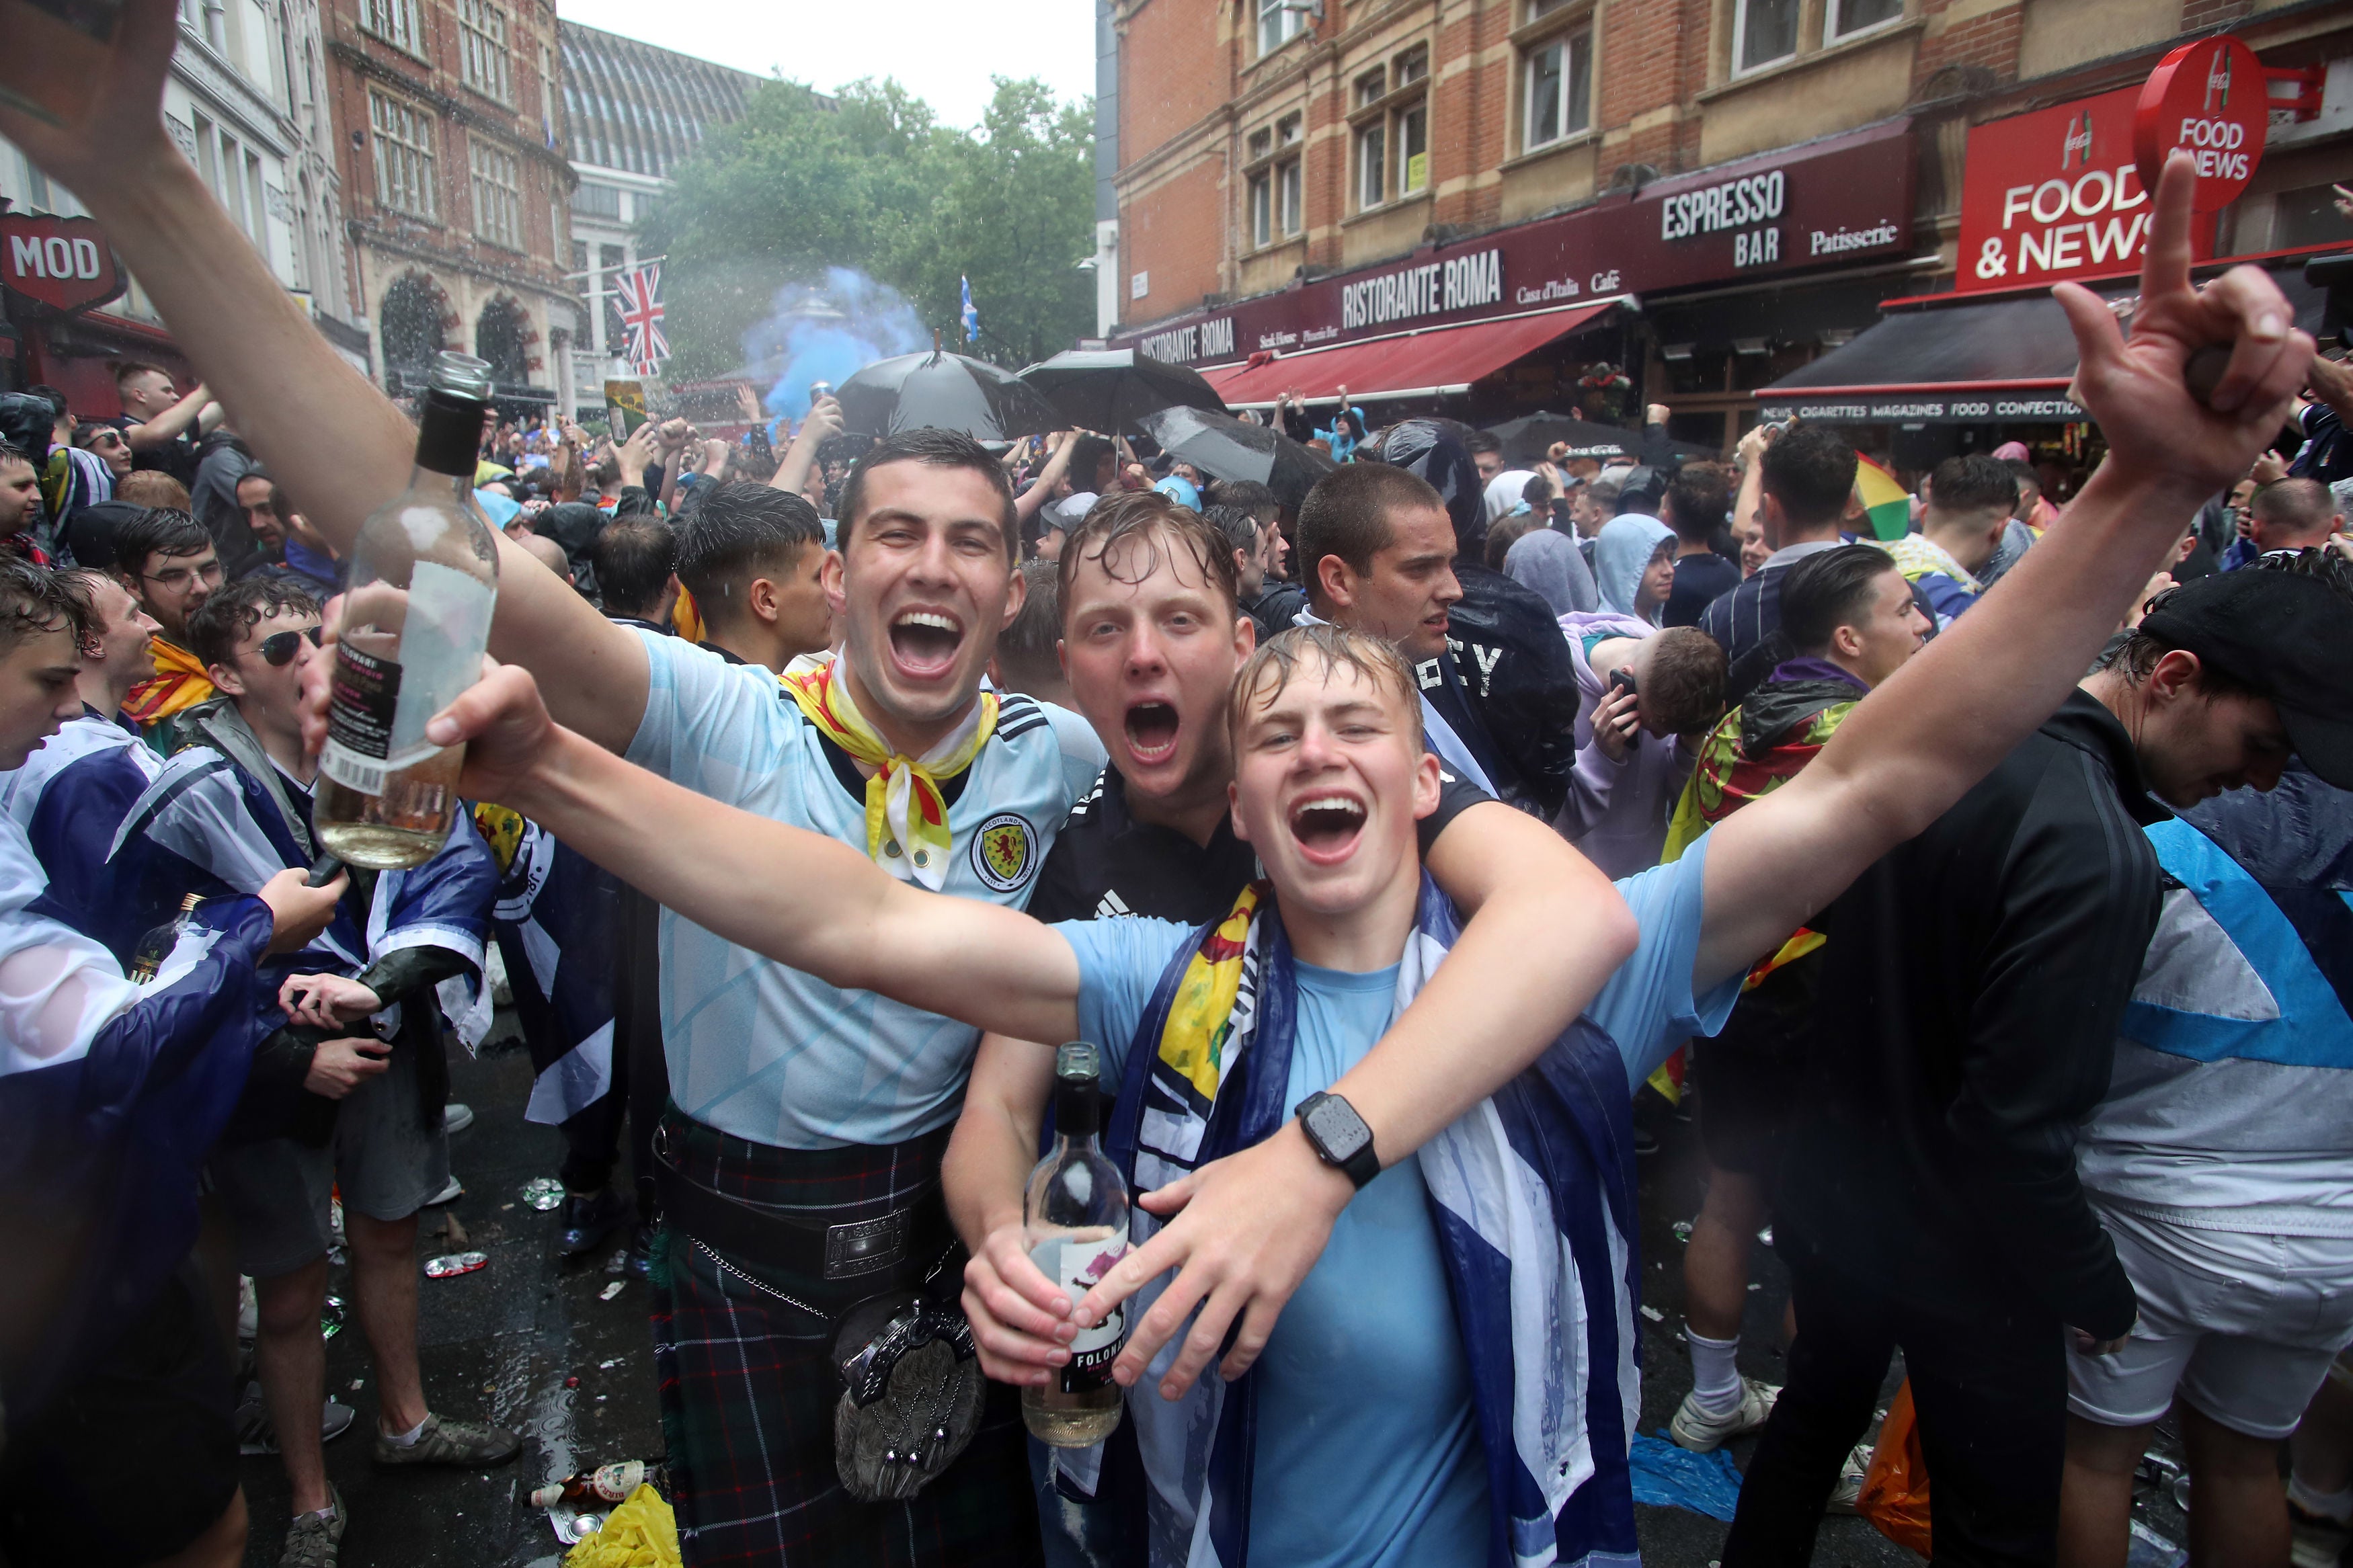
(1074, 1222)
(156, 946)
(415, 622)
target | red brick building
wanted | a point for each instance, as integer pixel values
(456, 184)
(1706, 193)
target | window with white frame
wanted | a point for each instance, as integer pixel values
(404, 156)
(1845, 18)
(1259, 187)
(498, 194)
(482, 49)
(1556, 88)
(1763, 32)
(1279, 22)
(396, 22)
(1413, 149)
(1372, 165)
(1270, 182)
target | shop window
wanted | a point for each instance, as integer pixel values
(482, 49)
(403, 155)
(1279, 22)
(395, 22)
(498, 195)
(1559, 92)
(1845, 18)
(1763, 32)
(2312, 215)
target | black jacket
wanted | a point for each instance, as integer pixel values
(1974, 979)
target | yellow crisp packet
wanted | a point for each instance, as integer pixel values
(641, 1533)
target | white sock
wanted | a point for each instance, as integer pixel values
(1716, 1377)
(406, 1439)
(2337, 1506)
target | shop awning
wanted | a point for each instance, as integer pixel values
(2005, 360)
(1429, 363)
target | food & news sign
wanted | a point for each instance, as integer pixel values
(1845, 198)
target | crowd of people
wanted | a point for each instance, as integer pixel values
(1388, 840)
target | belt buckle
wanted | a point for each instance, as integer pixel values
(866, 1247)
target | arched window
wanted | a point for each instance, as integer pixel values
(502, 337)
(412, 324)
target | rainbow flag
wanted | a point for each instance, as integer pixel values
(1884, 500)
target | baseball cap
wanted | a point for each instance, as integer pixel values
(2287, 637)
(1068, 512)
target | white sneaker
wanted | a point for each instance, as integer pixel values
(449, 1194)
(456, 1116)
(1703, 1432)
(1848, 1493)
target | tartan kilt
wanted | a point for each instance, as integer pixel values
(748, 1387)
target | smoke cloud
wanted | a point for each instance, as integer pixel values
(828, 331)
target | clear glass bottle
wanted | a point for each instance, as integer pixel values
(1074, 1223)
(156, 946)
(415, 622)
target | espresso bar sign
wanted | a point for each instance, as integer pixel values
(1848, 198)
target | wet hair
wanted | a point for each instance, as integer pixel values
(633, 558)
(1086, 460)
(1538, 491)
(1267, 671)
(1132, 523)
(1025, 654)
(1972, 483)
(935, 448)
(35, 600)
(50, 395)
(87, 432)
(1248, 494)
(1506, 531)
(1479, 441)
(2301, 504)
(739, 532)
(1696, 500)
(1348, 515)
(1683, 681)
(1811, 471)
(2312, 561)
(1827, 590)
(158, 532)
(1239, 524)
(152, 488)
(125, 369)
(220, 623)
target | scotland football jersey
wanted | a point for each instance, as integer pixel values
(764, 1051)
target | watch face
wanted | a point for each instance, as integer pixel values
(1338, 1126)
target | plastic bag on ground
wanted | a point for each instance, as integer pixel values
(1676, 1478)
(641, 1533)
(1896, 1489)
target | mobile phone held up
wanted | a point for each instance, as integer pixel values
(1621, 680)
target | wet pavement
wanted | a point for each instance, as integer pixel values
(505, 1344)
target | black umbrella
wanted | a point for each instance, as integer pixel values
(1112, 390)
(1527, 439)
(1225, 448)
(944, 392)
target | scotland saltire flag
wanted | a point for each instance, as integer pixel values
(971, 316)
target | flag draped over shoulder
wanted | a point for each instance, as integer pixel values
(179, 682)
(1884, 499)
(1532, 1192)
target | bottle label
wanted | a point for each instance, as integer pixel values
(375, 724)
(1079, 1266)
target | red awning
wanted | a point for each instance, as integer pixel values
(1415, 364)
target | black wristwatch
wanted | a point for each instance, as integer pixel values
(1339, 1137)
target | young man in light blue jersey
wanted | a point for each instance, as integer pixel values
(1524, 1212)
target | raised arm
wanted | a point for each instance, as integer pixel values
(823, 423)
(1911, 749)
(160, 430)
(330, 439)
(800, 898)
(1030, 499)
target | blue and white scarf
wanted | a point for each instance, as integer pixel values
(1533, 1195)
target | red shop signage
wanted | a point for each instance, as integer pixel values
(2057, 194)
(63, 263)
(1847, 198)
(2211, 98)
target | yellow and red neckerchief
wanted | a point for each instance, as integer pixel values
(906, 817)
(179, 683)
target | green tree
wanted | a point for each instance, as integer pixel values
(871, 180)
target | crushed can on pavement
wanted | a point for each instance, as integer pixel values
(455, 1263)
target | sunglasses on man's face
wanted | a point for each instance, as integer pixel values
(278, 647)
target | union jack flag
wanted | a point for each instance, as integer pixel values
(641, 318)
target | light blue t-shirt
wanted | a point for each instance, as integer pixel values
(777, 1057)
(1399, 1478)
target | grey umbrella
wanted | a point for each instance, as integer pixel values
(1225, 448)
(1110, 390)
(943, 391)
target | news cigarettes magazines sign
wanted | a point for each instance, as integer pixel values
(2057, 195)
(1846, 198)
